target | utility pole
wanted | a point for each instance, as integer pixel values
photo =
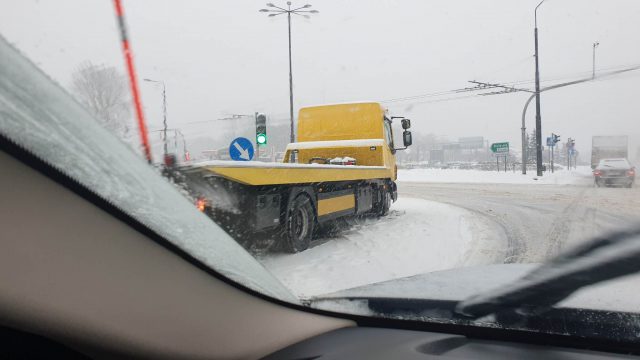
(538, 116)
(569, 153)
(595, 45)
(553, 148)
(164, 113)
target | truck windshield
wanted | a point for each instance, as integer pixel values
(388, 133)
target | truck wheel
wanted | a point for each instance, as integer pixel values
(299, 225)
(385, 203)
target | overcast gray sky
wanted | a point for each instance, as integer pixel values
(224, 57)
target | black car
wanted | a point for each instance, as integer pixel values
(614, 172)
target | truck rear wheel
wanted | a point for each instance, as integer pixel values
(299, 225)
(383, 206)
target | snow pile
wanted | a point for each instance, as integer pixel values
(580, 176)
(343, 161)
(418, 236)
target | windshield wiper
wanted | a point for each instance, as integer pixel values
(602, 259)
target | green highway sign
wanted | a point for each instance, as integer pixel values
(502, 147)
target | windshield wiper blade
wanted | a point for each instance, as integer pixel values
(602, 259)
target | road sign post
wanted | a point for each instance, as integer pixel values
(500, 149)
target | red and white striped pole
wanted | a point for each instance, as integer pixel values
(132, 79)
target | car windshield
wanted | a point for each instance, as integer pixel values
(496, 136)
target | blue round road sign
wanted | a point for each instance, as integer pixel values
(241, 149)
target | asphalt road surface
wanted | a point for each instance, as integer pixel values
(539, 221)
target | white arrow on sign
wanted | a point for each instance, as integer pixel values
(244, 153)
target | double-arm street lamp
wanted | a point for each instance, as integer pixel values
(164, 111)
(301, 11)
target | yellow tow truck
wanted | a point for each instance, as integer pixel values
(343, 164)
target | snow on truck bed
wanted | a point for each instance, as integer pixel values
(334, 143)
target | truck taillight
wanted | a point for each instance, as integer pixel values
(631, 173)
(201, 204)
(169, 160)
(597, 173)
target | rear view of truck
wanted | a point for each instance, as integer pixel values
(342, 165)
(608, 147)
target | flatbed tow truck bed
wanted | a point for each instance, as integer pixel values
(270, 173)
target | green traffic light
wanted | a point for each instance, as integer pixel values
(261, 139)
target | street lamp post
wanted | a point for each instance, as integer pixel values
(525, 143)
(164, 112)
(595, 45)
(538, 116)
(275, 11)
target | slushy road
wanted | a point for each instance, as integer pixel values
(539, 221)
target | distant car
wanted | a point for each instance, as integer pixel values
(615, 172)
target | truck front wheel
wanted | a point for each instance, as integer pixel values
(299, 225)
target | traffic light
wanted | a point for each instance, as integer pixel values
(261, 129)
(556, 138)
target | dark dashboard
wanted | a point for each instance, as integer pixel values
(378, 343)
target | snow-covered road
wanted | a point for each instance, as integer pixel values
(539, 220)
(436, 226)
(417, 236)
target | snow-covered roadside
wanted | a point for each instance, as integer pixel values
(418, 236)
(580, 176)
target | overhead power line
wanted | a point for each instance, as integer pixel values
(506, 85)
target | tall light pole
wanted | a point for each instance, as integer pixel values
(538, 116)
(595, 45)
(275, 11)
(164, 112)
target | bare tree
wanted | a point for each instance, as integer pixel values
(103, 90)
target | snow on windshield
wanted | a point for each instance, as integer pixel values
(41, 117)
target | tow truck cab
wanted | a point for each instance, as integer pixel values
(360, 131)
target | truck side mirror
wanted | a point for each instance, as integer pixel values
(406, 138)
(406, 123)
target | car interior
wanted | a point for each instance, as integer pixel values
(81, 279)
